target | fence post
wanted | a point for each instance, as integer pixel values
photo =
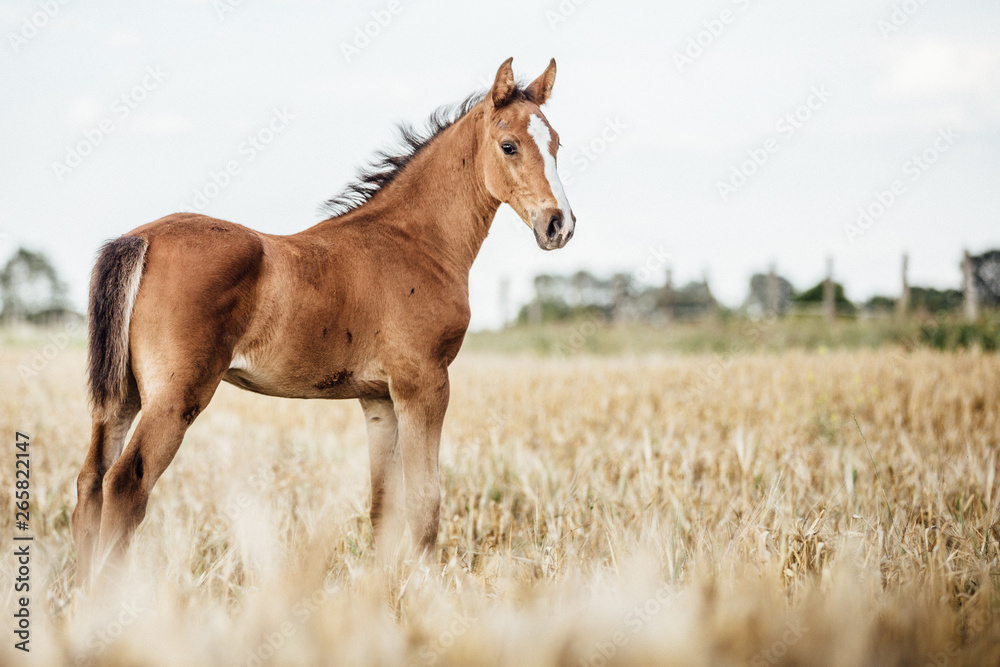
(829, 293)
(668, 295)
(773, 298)
(969, 280)
(903, 305)
(709, 297)
(621, 298)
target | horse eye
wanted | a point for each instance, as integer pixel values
(508, 148)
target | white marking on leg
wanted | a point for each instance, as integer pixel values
(239, 363)
(539, 131)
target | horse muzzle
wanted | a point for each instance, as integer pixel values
(553, 228)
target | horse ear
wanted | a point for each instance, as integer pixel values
(503, 86)
(540, 89)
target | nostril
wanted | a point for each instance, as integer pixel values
(555, 225)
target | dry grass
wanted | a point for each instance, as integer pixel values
(596, 511)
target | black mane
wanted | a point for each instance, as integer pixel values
(388, 164)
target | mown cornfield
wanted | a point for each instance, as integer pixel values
(763, 509)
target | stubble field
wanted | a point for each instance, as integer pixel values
(762, 509)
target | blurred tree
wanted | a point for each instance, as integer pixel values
(30, 289)
(688, 302)
(880, 304)
(564, 298)
(986, 269)
(930, 300)
(759, 297)
(588, 289)
(619, 297)
(550, 287)
(814, 297)
(623, 288)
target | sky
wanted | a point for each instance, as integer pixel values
(713, 137)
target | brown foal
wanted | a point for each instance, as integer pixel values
(372, 304)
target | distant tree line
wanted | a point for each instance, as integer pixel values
(621, 297)
(618, 297)
(31, 291)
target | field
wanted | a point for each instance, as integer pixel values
(818, 507)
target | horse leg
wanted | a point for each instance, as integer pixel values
(128, 483)
(420, 410)
(106, 441)
(387, 517)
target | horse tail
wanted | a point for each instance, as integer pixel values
(113, 287)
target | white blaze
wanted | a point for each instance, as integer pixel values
(539, 131)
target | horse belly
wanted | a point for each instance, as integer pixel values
(334, 382)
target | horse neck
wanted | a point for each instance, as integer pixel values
(440, 199)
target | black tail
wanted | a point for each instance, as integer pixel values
(113, 287)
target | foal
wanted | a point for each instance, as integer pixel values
(372, 303)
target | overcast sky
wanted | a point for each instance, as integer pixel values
(727, 134)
